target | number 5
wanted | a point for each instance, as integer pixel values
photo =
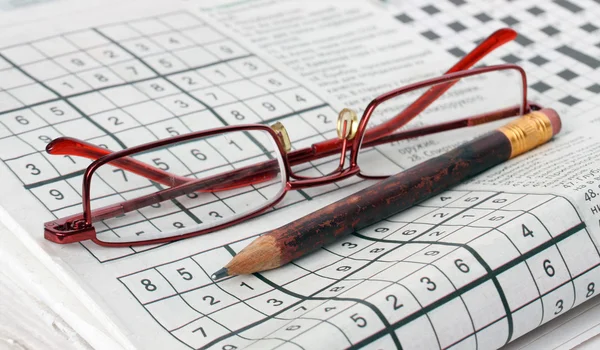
(160, 164)
(360, 321)
(184, 274)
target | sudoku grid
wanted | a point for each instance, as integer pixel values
(463, 270)
(558, 43)
(125, 84)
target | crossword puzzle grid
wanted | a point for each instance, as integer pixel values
(125, 84)
(558, 43)
(464, 270)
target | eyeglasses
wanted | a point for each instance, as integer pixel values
(221, 177)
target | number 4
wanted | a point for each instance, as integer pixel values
(526, 231)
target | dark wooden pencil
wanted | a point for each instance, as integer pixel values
(393, 195)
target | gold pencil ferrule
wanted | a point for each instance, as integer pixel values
(527, 132)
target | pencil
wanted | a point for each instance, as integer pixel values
(393, 195)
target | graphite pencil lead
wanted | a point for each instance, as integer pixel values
(220, 274)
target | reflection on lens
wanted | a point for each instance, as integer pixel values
(189, 186)
(490, 94)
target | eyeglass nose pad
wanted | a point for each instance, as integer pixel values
(283, 136)
(347, 124)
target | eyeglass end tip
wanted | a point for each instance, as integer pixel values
(220, 274)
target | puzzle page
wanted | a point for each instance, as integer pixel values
(133, 77)
(468, 269)
(429, 278)
(558, 46)
(558, 43)
(472, 268)
(118, 78)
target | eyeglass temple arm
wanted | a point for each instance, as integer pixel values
(423, 131)
(70, 146)
(455, 124)
(252, 174)
(74, 147)
(492, 42)
(495, 40)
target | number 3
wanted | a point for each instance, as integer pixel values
(430, 284)
(559, 307)
(34, 170)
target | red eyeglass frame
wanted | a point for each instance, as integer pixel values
(80, 227)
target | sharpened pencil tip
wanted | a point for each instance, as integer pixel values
(220, 274)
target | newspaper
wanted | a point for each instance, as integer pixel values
(475, 267)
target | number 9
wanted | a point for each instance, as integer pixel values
(56, 194)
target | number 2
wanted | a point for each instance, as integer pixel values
(115, 120)
(211, 300)
(394, 300)
(324, 117)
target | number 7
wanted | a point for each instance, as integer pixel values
(122, 172)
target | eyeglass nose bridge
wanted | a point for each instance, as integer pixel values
(301, 182)
(283, 136)
(347, 124)
(347, 127)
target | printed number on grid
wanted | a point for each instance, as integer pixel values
(126, 84)
(427, 271)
